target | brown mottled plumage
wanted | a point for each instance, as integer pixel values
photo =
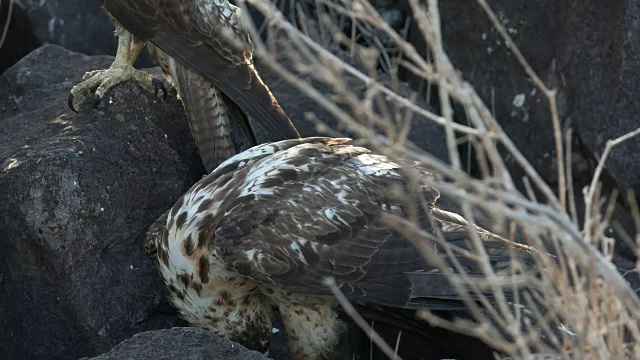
(269, 225)
(206, 52)
(219, 127)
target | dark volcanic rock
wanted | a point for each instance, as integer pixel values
(479, 52)
(629, 272)
(600, 62)
(78, 194)
(587, 50)
(179, 343)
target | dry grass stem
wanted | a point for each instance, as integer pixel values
(564, 299)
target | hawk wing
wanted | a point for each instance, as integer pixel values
(198, 34)
(297, 216)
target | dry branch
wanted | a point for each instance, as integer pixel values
(590, 309)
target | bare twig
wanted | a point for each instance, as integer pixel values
(589, 198)
(548, 93)
(588, 305)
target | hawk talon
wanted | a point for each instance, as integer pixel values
(159, 85)
(70, 103)
(70, 98)
(98, 82)
(96, 101)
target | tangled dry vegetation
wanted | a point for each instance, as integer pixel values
(588, 311)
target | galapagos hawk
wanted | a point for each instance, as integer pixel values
(269, 225)
(205, 51)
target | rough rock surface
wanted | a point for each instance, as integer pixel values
(600, 64)
(179, 343)
(584, 50)
(478, 51)
(78, 193)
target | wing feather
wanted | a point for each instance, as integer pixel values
(323, 218)
(324, 221)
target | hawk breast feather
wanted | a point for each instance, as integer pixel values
(294, 212)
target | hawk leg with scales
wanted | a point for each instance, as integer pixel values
(99, 82)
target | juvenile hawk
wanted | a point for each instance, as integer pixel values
(206, 53)
(269, 225)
